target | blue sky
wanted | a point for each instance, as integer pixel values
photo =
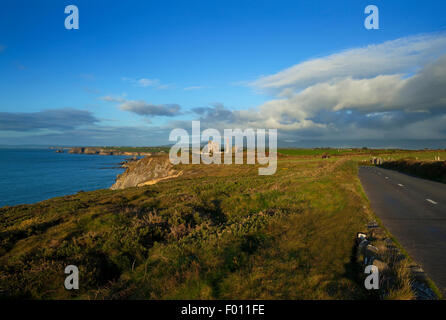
(136, 69)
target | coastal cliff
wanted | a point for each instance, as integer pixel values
(146, 171)
(107, 151)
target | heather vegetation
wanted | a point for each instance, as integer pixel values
(216, 232)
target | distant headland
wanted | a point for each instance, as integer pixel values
(118, 151)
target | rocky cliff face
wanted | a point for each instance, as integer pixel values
(146, 171)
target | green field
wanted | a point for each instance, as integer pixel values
(137, 149)
(396, 153)
(320, 151)
(217, 232)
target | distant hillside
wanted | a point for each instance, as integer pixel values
(126, 151)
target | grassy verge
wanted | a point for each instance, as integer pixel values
(409, 260)
(222, 232)
(217, 232)
(401, 288)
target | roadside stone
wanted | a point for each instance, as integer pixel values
(386, 256)
(370, 254)
(423, 292)
(361, 236)
(363, 244)
(418, 273)
(372, 225)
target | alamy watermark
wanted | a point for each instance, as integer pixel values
(189, 148)
(72, 280)
(372, 280)
(372, 20)
(72, 20)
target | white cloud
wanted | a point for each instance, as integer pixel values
(113, 99)
(143, 108)
(403, 55)
(393, 90)
(146, 82)
(422, 91)
(401, 83)
(191, 88)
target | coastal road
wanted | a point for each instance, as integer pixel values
(414, 211)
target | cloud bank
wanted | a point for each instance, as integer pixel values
(389, 91)
(145, 109)
(395, 89)
(55, 119)
(383, 92)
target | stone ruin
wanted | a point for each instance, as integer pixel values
(211, 148)
(234, 149)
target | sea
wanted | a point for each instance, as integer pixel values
(32, 175)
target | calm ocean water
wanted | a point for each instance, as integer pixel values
(32, 175)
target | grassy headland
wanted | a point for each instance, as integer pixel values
(126, 151)
(216, 232)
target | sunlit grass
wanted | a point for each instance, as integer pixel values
(218, 231)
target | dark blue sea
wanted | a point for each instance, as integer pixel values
(32, 175)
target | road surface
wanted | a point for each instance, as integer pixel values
(414, 211)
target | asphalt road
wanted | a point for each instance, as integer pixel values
(414, 211)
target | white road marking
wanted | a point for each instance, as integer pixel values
(401, 185)
(387, 177)
(431, 201)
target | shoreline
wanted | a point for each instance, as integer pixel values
(116, 165)
(107, 151)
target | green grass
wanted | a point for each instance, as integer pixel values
(138, 149)
(361, 153)
(313, 152)
(334, 151)
(217, 232)
(403, 251)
